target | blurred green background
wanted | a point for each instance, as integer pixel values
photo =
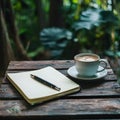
(58, 29)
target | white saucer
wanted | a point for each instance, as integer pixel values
(73, 73)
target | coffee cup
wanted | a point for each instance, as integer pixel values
(87, 64)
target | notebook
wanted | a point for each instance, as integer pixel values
(36, 92)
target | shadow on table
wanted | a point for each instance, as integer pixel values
(85, 84)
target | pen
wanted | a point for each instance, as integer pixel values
(45, 82)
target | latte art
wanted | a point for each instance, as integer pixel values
(87, 64)
(87, 58)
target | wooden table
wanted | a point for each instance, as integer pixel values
(97, 99)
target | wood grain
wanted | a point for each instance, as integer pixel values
(73, 108)
(97, 99)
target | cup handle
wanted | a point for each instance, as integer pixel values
(105, 65)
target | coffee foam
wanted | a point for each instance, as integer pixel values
(87, 58)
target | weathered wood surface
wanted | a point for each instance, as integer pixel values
(30, 65)
(63, 108)
(98, 90)
(97, 99)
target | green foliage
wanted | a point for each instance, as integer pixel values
(94, 29)
(27, 23)
(55, 40)
(92, 23)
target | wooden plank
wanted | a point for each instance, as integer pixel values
(89, 90)
(8, 92)
(61, 65)
(97, 99)
(29, 65)
(61, 109)
(110, 74)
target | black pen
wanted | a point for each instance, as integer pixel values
(45, 82)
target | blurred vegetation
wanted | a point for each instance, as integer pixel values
(92, 23)
(59, 29)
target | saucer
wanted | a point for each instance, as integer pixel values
(73, 73)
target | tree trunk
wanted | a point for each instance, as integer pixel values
(15, 35)
(56, 14)
(6, 53)
(42, 21)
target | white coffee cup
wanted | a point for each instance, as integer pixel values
(87, 64)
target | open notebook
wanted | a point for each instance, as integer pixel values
(36, 92)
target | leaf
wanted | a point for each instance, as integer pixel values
(93, 17)
(55, 39)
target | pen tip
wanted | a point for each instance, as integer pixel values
(58, 89)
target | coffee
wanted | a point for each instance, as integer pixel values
(87, 58)
(87, 64)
